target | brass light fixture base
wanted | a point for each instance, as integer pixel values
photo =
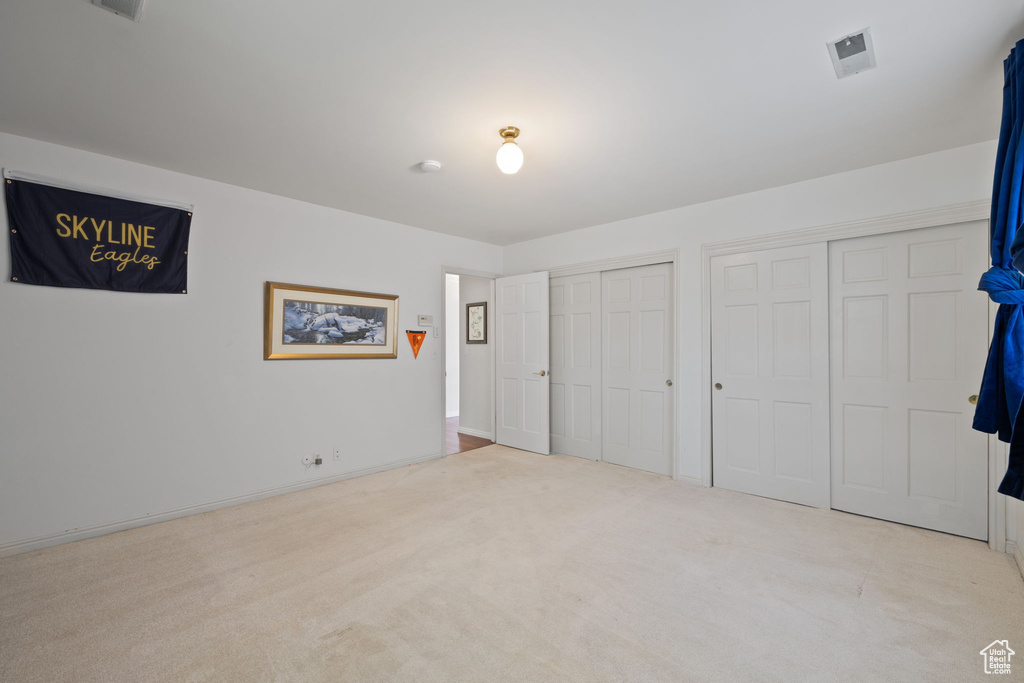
(509, 133)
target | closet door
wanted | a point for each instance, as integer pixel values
(769, 366)
(909, 342)
(576, 365)
(637, 367)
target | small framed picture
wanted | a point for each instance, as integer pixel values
(317, 322)
(476, 323)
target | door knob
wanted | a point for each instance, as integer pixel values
(973, 400)
(541, 373)
(668, 383)
(718, 386)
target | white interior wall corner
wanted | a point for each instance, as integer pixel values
(139, 404)
(120, 406)
(1015, 530)
(931, 181)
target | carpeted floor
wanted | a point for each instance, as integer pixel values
(499, 565)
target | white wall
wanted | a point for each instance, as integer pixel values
(451, 345)
(1015, 529)
(931, 181)
(118, 406)
(127, 406)
(477, 394)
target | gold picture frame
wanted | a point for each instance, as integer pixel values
(303, 322)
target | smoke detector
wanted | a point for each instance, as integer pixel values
(129, 9)
(430, 166)
(852, 53)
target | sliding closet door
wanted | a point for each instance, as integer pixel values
(909, 342)
(769, 362)
(637, 367)
(576, 365)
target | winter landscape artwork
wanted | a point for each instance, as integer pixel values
(308, 322)
(316, 322)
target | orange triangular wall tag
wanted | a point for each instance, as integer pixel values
(416, 341)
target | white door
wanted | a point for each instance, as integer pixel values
(576, 365)
(909, 342)
(637, 367)
(769, 366)
(522, 350)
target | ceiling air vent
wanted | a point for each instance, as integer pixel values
(129, 9)
(853, 53)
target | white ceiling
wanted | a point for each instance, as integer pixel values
(626, 108)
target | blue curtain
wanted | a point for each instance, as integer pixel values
(1002, 387)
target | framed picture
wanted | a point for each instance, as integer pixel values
(476, 323)
(316, 322)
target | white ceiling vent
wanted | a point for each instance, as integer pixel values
(852, 53)
(129, 9)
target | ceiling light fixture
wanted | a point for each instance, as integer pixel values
(510, 157)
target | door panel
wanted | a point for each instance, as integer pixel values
(909, 342)
(523, 405)
(636, 332)
(793, 438)
(770, 419)
(576, 365)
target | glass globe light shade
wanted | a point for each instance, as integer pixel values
(510, 157)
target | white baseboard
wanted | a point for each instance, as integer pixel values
(79, 534)
(574, 455)
(477, 432)
(1013, 549)
(696, 481)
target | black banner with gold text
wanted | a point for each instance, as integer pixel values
(67, 238)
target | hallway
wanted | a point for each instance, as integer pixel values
(460, 443)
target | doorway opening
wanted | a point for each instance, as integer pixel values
(469, 414)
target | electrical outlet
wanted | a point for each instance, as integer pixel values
(307, 461)
(337, 454)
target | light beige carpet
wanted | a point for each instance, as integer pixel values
(499, 565)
